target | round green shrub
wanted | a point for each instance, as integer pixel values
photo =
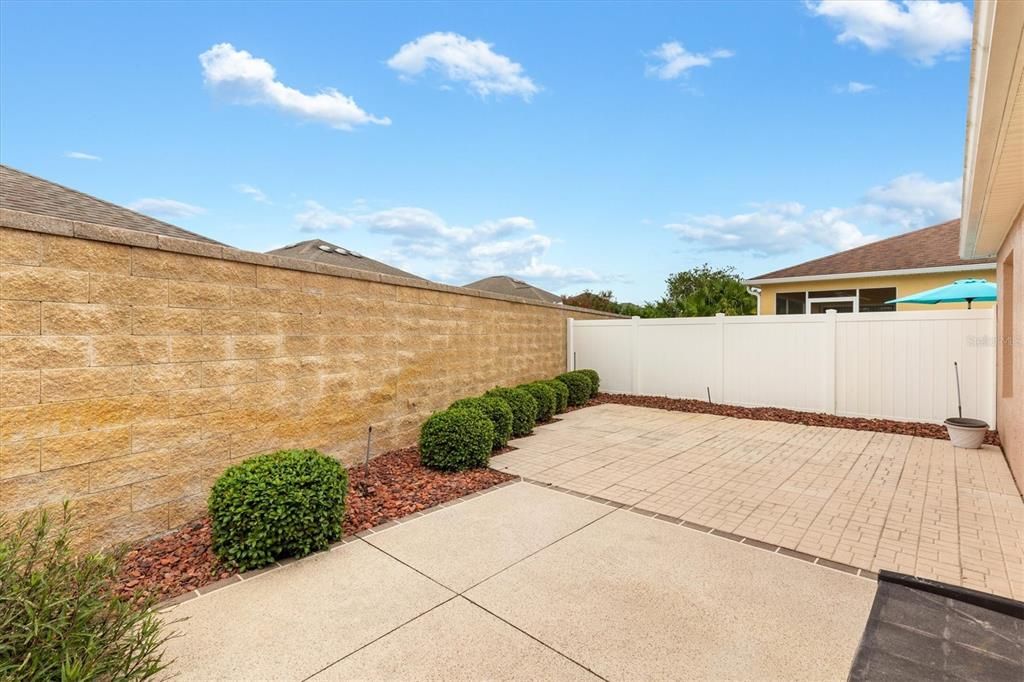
(290, 503)
(495, 409)
(578, 385)
(456, 439)
(524, 408)
(561, 394)
(545, 397)
(595, 380)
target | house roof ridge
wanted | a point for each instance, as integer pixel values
(175, 230)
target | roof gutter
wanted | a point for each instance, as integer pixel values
(756, 293)
(984, 21)
(877, 273)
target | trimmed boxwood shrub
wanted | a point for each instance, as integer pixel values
(595, 380)
(456, 439)
(545, 397)
(495, 409)
(578, 385)
(561, 394)
(290, 503)
(524, 408)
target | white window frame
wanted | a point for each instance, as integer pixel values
(855, 299)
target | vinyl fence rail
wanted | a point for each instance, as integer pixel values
(893, 365)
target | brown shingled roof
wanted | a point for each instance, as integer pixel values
(510, 286)
(20, 191)
(929, 247)
(325, 252)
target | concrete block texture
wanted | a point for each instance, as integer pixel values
(132, 373)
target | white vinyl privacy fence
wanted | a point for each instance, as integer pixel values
(894, 365)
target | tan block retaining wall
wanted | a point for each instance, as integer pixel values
(135, 368)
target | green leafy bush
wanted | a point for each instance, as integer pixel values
(60, 618)
(524, 408)
(545, 397)
(456, 439)
(595, 380)
(290, 503)
(561, 394)
(495, 409)
(578, 385)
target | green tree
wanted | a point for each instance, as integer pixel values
(599, 300)
(703, 291)
(698, 292)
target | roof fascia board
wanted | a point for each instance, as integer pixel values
(877, 273)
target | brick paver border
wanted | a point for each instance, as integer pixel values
(774, 549)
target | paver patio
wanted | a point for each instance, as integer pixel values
(868, 500)
(524, 582)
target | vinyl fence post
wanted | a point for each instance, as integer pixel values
(634, 357)
(569, 344)
(831, 366)
(987, 358)
(720, 323)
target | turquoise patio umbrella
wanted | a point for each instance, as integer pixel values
(969, 290)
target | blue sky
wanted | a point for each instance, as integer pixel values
(601, 146)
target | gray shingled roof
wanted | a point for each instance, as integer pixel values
(325, 252)
(20, 191)
(509, 286)
(930, 247)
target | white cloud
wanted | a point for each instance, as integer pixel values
(772, 229)
(511, 247)
(317, 218)
(409, 221)
(423, 241)
(166, 208)
(250, 80)
(555, 273)
(853, 88)
(915, 199)
(255, 193)
(904, 203)
(673, 60)
(457, 58)
(82, 156)
(920, 30)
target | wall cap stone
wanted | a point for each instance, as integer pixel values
(33, 222)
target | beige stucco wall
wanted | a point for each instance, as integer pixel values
(134, 369)
(905, 285)
(1010, 333)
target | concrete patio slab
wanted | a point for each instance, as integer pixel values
(455, 641)
(870, 500)
(290, 623)
(631, 597)
(465, 544)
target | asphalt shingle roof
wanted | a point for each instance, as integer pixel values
(509, 286)
(21, 191)
(929, 247)
(325, 252)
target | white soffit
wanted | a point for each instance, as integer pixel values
(994, 154)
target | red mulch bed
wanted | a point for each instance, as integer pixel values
(398, 485)
(394, 485)
(775, 414)
(171, 564)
